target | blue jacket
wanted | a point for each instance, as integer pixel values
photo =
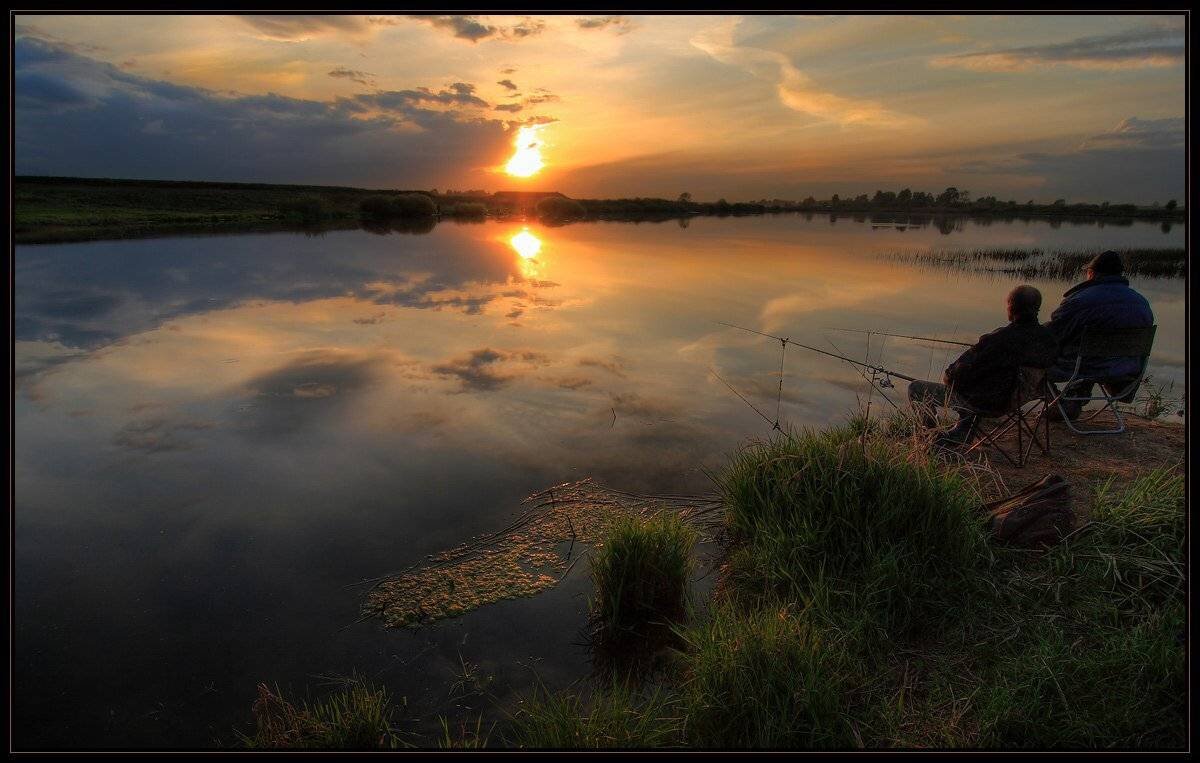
(1103, 302)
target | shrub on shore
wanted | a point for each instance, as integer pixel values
(309, 208)
(394, 206)
(559, 209)
(466, 209)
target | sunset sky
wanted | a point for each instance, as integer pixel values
(1088, 108)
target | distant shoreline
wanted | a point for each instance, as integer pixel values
(59, 209)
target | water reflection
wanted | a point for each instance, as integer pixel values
(215, 436)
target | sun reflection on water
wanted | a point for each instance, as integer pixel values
(526, 244)
(527, 247)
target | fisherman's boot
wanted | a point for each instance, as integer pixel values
(1072, 407)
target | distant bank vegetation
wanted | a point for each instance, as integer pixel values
(58, 209)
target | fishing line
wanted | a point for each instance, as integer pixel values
(774, 424)
(901, 336)
(866, 378)
(868, 366)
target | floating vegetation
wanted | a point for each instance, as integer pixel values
(1038, 263)
(531, 555)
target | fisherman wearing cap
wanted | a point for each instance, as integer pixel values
(1104, 300)
(983, 379)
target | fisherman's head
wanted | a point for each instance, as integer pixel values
(1024, 303)
(1105, 264)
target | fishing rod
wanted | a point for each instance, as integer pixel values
(902, 336)
(786, 341)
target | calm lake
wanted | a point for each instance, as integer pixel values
(216, 437)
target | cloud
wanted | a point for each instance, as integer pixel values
(615, 24)
(79, 116)
(796, 90)
(297, 27)
(1135, 49)
(82, 48)
(512, 107)
(472, 29)
(354, 75)
(462, 27)
(486, 370)
(1141, 157)
(307, 389)
(1134, 133)
(508, 84)
(614, 366)
(401, 101)
(526, 28)
(159, 434)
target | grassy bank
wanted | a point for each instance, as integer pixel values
(862, 605)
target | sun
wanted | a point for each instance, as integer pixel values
(527, 156)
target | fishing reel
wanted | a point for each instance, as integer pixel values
(882, 380)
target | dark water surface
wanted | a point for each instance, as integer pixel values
(217, 436)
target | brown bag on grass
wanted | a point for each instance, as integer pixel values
(1038, 515)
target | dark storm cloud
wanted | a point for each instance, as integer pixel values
(79, 116)
(615, 24)
(1153, 46)
(487, 370)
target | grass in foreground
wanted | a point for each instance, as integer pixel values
(857, 524)
(864, 609)
(356, 717)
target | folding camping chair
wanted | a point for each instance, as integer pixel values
(1097, 344)
(1032, 398)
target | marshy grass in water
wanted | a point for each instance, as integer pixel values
(355, 717)
(641, 574)
(1037, 263)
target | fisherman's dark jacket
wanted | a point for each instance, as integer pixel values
(986, 374)
(1104, 302)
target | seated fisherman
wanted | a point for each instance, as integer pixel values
(984, 378)
(1104, 300)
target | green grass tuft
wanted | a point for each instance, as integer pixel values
(641, 574)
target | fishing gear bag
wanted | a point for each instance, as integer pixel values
(1038, 515)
